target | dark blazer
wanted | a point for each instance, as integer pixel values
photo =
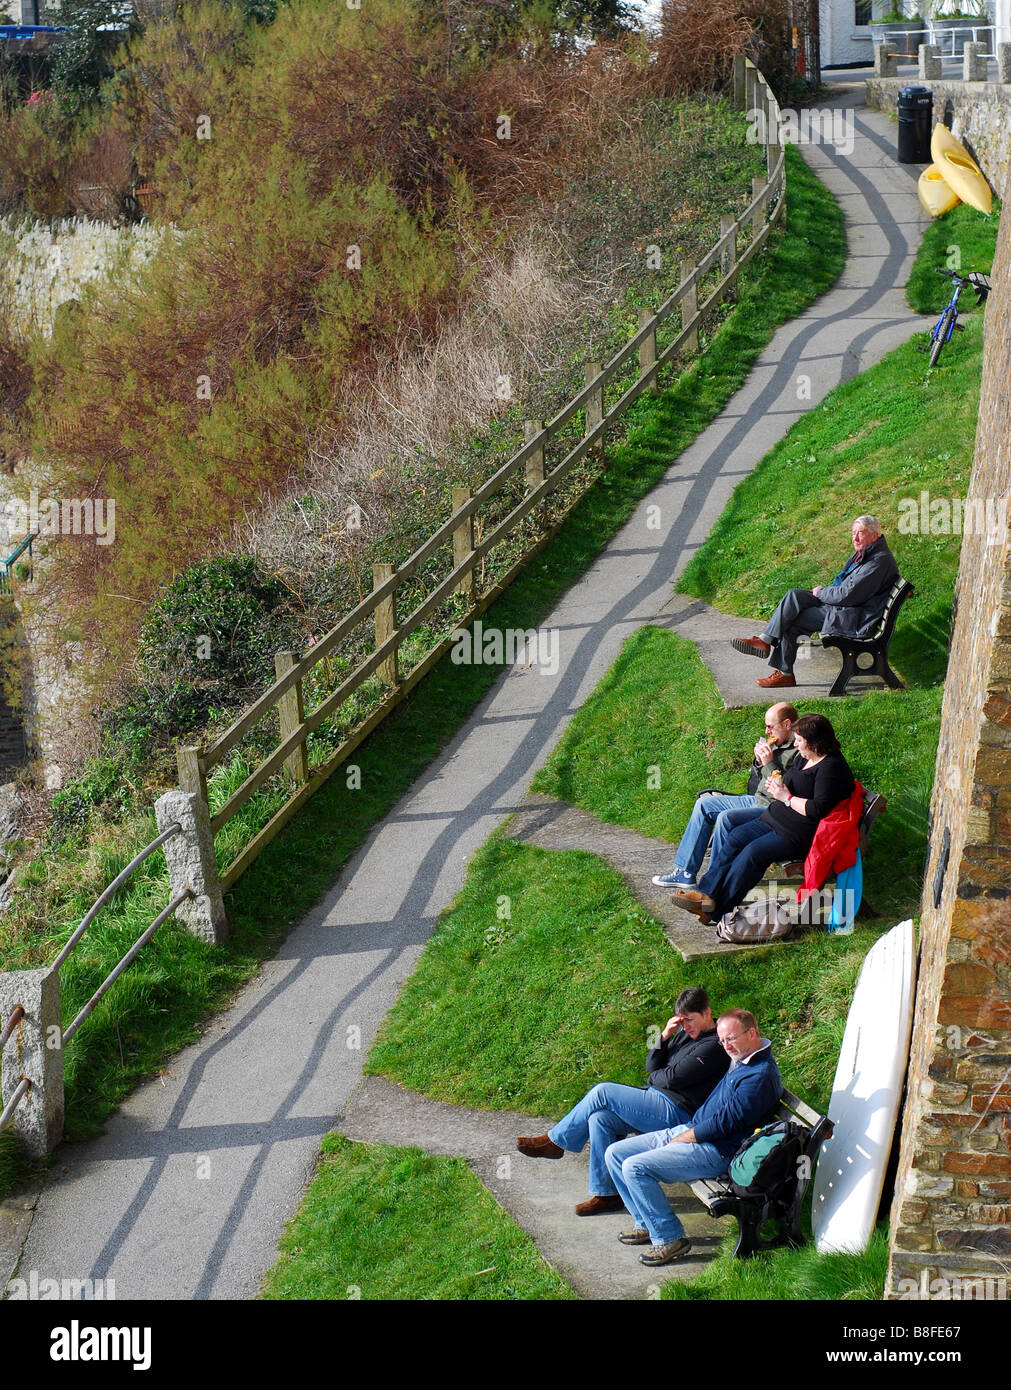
(855, 601)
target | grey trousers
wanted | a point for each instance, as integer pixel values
(797, 615)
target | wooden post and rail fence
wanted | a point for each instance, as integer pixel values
(196, 764)
(29, 1000)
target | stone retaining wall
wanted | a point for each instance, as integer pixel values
(42, 266)
(951, 1214)
(979, 115)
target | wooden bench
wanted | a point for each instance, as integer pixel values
(876, 645)
(719, 1199)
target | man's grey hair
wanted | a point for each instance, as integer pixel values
(869, 523)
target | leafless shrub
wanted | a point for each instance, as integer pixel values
(403, 425)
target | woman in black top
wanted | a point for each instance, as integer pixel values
(813, 785)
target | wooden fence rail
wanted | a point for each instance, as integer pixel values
(540, 481)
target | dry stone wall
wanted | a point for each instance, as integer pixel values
(978, 113)
(951, 1215)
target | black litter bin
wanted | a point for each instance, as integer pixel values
(916, 117)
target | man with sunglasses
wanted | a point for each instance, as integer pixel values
(742, 1102)
(717, 813)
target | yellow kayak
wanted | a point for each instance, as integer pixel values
(935, 195)
(959, 170)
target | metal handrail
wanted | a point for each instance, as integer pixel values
(17, 1014)
(8, 1112)
(117, 882)
(128, 959)
(22, 546)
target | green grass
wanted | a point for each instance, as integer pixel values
(962, 239)
(529, 1012)
(176, 981)
(392, 1224)
(655, 732)
(891, 433)
(787, 1275)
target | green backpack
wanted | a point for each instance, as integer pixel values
(767, 1163)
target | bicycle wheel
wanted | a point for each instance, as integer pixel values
(943, 332)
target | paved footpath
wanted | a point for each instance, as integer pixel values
(186, 1193)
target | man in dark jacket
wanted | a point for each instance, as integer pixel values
(684, 1066)
(851, 606)
(702, 1147)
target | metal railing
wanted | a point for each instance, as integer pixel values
(17, 1015)
(6, 566)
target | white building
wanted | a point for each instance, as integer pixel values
(846, 36)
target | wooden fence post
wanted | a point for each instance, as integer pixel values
(772, 133)
(729, 257)
(192, 777)
(463, 543)
(689, 307)
(647, 348)
(291, 715)
(740, 81)
(595, 406)
(758, 216)
(386, 626)
(534, 472)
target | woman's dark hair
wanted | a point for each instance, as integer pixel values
(818, 733)
(693, 1000)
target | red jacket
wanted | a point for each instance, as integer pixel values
(835, 843)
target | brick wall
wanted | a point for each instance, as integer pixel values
(951, 1215)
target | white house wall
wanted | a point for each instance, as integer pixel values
(844, 41)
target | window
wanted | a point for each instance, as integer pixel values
(862, 11)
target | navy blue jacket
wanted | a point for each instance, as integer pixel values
(742, 1102)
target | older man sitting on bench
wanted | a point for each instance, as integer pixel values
(851, 606)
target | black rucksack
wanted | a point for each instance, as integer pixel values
(767, 1165)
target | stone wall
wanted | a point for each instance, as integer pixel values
(43, 266)
(979, 115)
(951, 1215)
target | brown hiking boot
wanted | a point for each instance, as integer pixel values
(539, 1146)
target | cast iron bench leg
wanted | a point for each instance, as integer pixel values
(849, 670)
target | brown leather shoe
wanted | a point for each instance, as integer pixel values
(692, 900)
(776, 681)
(596, 1206)
(751, 646)
(539, 1146)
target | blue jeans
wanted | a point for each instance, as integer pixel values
(727, 821)
(747, 851)
(639, 1165)
(607, 1113)
(692, 849)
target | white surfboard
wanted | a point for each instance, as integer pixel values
(865, 1096)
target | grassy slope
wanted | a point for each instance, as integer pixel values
(888, 434)
(385, 1223)
(963, 239)
(528, 1013)
(658, 708)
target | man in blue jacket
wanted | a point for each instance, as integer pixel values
(683, 1067)
(851, 606)
(742, 1102)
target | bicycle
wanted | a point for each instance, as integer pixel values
(948, 322)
